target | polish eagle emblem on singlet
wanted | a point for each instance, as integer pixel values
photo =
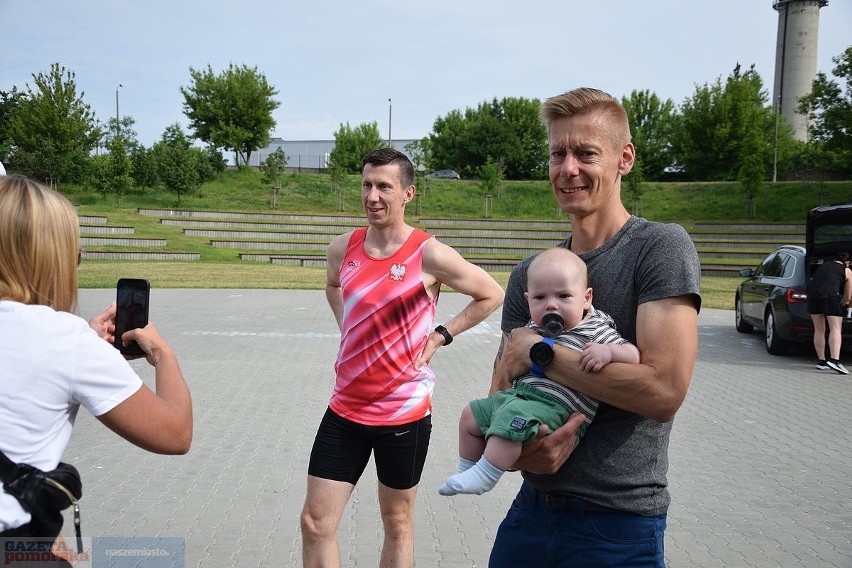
(397, 272)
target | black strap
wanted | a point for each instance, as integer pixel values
(448, 338)
(7, 466)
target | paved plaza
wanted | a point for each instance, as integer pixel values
(761, 453)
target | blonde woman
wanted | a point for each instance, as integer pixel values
(52, 362)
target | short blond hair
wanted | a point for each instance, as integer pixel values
(586, 100)
(39, 245)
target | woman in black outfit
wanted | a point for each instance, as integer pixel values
(829, 293)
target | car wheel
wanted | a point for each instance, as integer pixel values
(742, 325)
(774, 344)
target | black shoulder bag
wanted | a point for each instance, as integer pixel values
(44, 495)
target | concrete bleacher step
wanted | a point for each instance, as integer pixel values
(532, 243)
(94, 232)
(748, 257)
(751, 227)
(497, 251)
(319, 261)
(430, 222)
(140, 255)
(105, 230)
(122, 241)
(91, 219)
(271, 246)
(496, 232)
(720, 270)
(302, 239)
(787, 237)
(764, 247)
(271, 236)
(251, 215)
(337, 228)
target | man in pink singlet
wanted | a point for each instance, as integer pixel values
(383, 284)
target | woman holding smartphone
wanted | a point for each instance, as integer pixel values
(52, 361)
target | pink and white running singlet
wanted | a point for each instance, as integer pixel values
(387, 318)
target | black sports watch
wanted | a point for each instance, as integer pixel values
(448, 338)
(541, 355)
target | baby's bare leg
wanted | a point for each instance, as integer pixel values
(502, 453)
(471, 440)
(484, 475)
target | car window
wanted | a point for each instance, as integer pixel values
(769, 267)
(788, 266)
(772, 267)
(841, 233)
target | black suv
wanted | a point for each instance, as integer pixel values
(774, 298)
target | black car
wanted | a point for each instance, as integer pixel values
(774, 298)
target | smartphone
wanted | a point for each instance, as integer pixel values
(131, 301)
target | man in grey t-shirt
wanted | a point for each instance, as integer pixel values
(605, 502)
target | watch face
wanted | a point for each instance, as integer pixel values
(541, 354)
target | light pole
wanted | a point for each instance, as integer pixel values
(389, 122)
(117, 126)
(775, 157)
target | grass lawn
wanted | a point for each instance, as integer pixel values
(716, 291)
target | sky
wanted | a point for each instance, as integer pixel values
(339, 61)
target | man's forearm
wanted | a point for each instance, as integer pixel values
(667, 339)
(474, 313)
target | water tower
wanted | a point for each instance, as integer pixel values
(795, 58)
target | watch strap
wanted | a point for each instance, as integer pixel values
(448, 338)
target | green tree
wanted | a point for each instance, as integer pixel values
(337, 175)
(829, 107)
(651, 125)
(232, 110)
(352, 144)
(217, 161)
(490, 176)
(10, 102)
(120, 165)
(126, 131)
(176, 162)
(144, 167)
(723, 124)
(421, 154)
(100, 173)
(448, 142)
(273, 167)
(53, 130)
(633, 181)
(752, 171)
(508, 131)
(201, 163)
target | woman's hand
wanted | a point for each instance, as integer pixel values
(149, 340)
(104, 324)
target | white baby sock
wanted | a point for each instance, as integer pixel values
(465, 464)
(476, 480)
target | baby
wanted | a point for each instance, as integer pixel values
(492, 430)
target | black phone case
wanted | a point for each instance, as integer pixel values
(132, 299)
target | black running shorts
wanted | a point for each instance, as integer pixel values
(827, 306)
(342, 450)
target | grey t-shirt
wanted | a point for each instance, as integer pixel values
(623, 459)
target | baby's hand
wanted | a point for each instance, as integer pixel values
(595, 357)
